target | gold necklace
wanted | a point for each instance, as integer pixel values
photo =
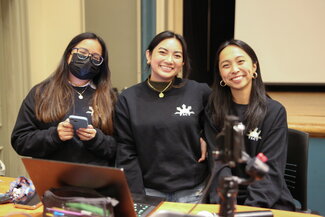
(80, 94)
(161, 93)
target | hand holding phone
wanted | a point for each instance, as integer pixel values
(78, 121)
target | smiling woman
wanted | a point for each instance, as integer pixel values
(166, 60)
(239, 90)
(160, 119)
(237, 71)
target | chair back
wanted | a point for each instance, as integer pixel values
(297, 164)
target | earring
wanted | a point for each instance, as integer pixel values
(255, 75)
(222, 83)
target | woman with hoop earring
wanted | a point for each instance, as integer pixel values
(239, 90)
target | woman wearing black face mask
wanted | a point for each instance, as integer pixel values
(79, 86)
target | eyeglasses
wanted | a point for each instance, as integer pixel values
(83, 53)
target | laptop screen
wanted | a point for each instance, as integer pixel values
(108, 181)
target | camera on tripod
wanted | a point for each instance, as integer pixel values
(231, 151)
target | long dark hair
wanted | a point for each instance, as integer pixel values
(166, 35)
(54, 96)
(221, 98)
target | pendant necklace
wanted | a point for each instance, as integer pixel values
(161, 93)
(80, 94)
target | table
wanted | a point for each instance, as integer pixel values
(10, 210)
(6, 209)
(214, 208)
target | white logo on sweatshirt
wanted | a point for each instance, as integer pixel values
(91, 111)
(184, 111)
(254, 134)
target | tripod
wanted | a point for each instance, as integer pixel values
(231, 151)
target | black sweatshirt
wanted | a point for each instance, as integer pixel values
(159, 138)
(270, 138)
(34, 138)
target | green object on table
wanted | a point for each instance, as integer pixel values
(87, 207)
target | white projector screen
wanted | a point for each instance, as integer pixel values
(288, 37)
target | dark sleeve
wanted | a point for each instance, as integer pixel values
(102, 145)
(206, 91)
(126, 156)
(218, 169)
(29, 136)
(266, 192)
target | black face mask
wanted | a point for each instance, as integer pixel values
(83, 69)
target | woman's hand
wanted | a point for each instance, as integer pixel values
(86, 134)
(203, 150)
(65, 130)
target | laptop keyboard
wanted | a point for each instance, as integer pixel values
(142, 210)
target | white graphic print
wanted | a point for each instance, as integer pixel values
(254, 134)
(91, 111)
(184, 111)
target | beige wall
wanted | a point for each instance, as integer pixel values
(51, 26)
(34, 34)
(169, 16)
(117, 22)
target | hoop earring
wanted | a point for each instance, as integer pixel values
(222, 83)
(255, 75)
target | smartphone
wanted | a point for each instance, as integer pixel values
(78, 121)
(32, 203)
(5, 198)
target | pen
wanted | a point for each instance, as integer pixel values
(56, 213)
(62, 211)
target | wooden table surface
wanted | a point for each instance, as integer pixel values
(9, 209)
(214, 208)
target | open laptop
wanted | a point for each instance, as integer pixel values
(108, 181)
